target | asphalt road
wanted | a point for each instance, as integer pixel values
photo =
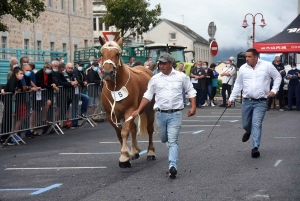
(83, 163)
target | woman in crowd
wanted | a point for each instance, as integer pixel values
(215, 84)
(208, 92)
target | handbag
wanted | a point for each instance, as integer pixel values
(215, 82)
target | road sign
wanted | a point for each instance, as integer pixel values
(110, 36)
(212, 28)
(213, 48)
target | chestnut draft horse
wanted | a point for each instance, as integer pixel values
(122, 93)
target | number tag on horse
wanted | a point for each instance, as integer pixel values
(119, 95)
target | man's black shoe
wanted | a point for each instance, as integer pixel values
(222, 105)
(199, 106)
(246, 137)
(289, 109)
(255, 153)
(172, 172)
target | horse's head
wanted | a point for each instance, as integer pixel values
(111, 58)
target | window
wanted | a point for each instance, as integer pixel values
(3, 42)
(62, 4)
(64, 47)
(26, 44)
(100, 24)
(106, 28)
(50, 3)
(39, 45)
(74, 6)
(52, 46)
(3, 45)
(172, 36)
(75, 47)
(95, 24)
(84, 7)
(86, 43)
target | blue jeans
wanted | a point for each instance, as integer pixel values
(168, 126)
(183, 96)
(208, 92)
(84, 106)
(253, 113)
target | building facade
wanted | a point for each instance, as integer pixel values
(99, 26)
(178, 34)
(64, 26)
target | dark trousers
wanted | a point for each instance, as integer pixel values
(214, 92)
(280, 97)
(199, 97)
(293, 91)
(225, 87)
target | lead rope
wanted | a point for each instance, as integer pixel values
(112, 112)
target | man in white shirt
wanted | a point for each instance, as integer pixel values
(227, 81)
(254, 79)
(167, 87)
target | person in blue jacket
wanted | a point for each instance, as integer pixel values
(293, 76)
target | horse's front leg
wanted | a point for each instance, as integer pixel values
(125, 157)
(135, 149)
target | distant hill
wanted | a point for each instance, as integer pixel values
(224, 54)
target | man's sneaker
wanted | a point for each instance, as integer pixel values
(246, 137)
(222, 105)
(172, 172)
(205, 104)
(16, 138)
(281, 109)
(255, 153)
(188, 103)
(212, 104)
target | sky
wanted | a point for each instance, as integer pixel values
(228, 16)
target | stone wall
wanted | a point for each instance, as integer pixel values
(53, 26)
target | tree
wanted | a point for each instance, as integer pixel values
(130, 15)
(20, 9)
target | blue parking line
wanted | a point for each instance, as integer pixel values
(197, 132)
(143, 152)
(37, 190)
(42, 190)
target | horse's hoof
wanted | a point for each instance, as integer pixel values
(126, 164)
(135, 156)
(151, 158)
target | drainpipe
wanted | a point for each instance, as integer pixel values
(69, 16)
(34, 34)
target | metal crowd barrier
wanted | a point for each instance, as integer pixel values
(95, 103)
(31, 110)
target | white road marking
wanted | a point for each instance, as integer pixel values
(232, 121)
(285, 137)
(225, 113)
(261, 194)
(55, 168)
(196, 125)
(216, 116)
(277, 163)
(119, 142)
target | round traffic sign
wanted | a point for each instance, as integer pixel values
(213, 48)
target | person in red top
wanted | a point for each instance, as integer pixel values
(45, 80)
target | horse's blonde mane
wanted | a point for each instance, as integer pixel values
(111, 45)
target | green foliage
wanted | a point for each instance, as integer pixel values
(130, 14)
(20, 9)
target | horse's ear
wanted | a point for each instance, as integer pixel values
(120, 42)
(102, 40)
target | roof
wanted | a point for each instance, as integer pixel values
(164, 45)
(287, 40)
(195, 37)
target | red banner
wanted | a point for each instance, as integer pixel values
(277, 47)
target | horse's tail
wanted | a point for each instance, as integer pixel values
(142, 125)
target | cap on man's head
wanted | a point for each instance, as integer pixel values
(166, 57)
(80, 62)
(95, 63)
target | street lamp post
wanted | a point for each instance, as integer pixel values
(262, 24)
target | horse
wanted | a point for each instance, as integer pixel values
(121, 95)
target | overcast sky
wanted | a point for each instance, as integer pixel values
(228, 16)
